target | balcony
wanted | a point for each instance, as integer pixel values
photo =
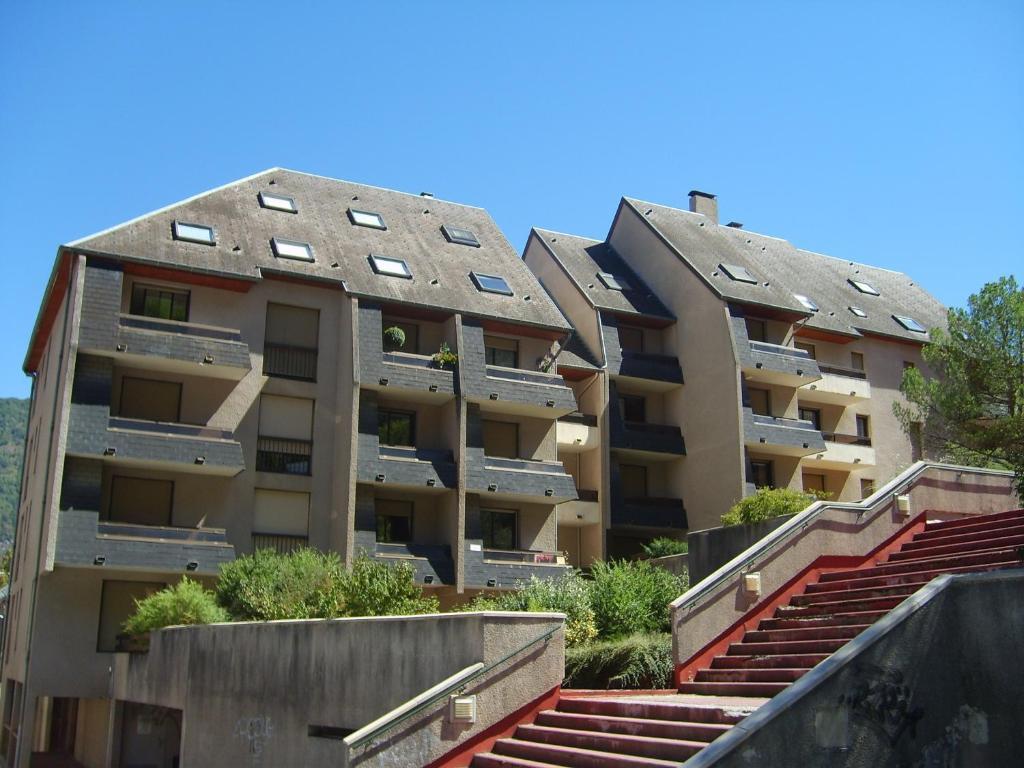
(186, 348)
(284, 455)
(416, 375)
(651, 371)
(842, 452)
(642, 440)
(776, 363)
(152, 444)
(503, 569)
(837, 386)
(585, 510)
(518, 391)
(786, 437)
(649, 512)
(83, 540)
(542, 482)
(282, 543)
(577, 432)
(414, 468)
(432, 563)
(290, 362)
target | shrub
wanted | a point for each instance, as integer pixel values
(663, 546)
(767, 503)
(632, 597)
(444, 358)
(394, 338)
(304, 584)
(374, 588)
(186, 602)
(568, 594)
(637, 661)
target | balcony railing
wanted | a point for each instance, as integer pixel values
(778, 421)
(586, 419)
(779, 349)
(279, 542)
(524, 376)
(835, 437)
(838, 370)
(290, 362)
(650, 512)
(408, 358)
(529, 557)
(432, 455)
(531, 465)
(170, 428)
(284, 455)
(164, 533)
(586, 494)
(651, 429)
(175, 326)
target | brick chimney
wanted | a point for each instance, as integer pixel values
(704, 202)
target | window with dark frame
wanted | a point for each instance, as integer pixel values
(290, 342)
(278, 202)
(910, 323)
(760, 401)
(140, 501)
(501, 351)
(150, 400)
(396, 427)
(394, 521)
(738, 273)
(460, 235)
(867, 487)
(412, 336)
(614, 282)
(366, 219)
(159, 302)
(633, 408)
(808, 348)
(631, 339)
(757, 330)
(863, 426)
(193, 233)
(499, 529)
(491, 283)
(812, 415)
(390, 267)
(762, 474)
(857, 361)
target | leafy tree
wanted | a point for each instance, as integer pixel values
(183, 603)
(767, 503)
(972, 410)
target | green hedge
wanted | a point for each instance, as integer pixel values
(636, 661)
(186, 602)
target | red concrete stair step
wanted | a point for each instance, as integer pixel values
(858, 594)
(573, 757)
(844, 632)
(839, 606)
(972, 526)
(619, 743)
(784, 648)
(989, 519)
(633, 726)
(1004, 542)
(766, 690)
(491, 760)
(896, 579)
(923, 541)
(779, 661)
(629, 706)
(830, 620)
(998, 555)
(751, 675)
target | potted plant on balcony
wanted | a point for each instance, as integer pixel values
(394, 339)
(444, 358)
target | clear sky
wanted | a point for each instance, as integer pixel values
(885, 132)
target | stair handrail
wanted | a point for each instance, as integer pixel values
(432, 695)
(868, 509)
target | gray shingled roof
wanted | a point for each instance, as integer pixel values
(783, 270)
(576, 354)
(244, 229)
(582, 258)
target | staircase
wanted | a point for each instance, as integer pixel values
(652, 731)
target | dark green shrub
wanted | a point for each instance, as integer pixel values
(632, 597)
(394, 338)
(767, 503)
(374, 588)
(663, 546)
(186, 602)
(304, 584)
(637, 661)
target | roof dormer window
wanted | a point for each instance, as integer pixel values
(291, 249)
(460, 235)
(367, 219)
(614, 282)
(193, 233)
(807, 302)
(278, 202)
(909, 323)
(863, 287)
(738, 273)
(491, 283)
(385, 265)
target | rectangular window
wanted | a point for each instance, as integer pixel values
(808, 348)
(291, 249)
(738, 273)
(760, 401)
(814, 482)
(499, 528)
(285, 441)
(812, 415)
(634, 480)
(806, 301)
(491, 283)
(757, 330)
(863, 287)
(385, 265)
(501, 439)
(117, 604)
(396, 427)
(858, 311)
(150, 400)
(501, 351)
(909, 323)
(632, 408)
(366, 219)
(857, 361)
(631, 339)
(394, 521)
(290, 342)
(163, 303)
(460, 235)
(614, 282)
(863, 426)
(282, 514)
(140, 501)
(193, 233)
(867, 487)
(762, 474)
(412, 336)
(278, 202)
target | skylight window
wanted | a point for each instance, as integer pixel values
(863, 287)
(738, 273)
(491, 283)
(367, 219)
(193, 233)
(614, 282)
(460, 235)
(290, 249)
(385, 265)
(909, 323)
(858, 311)
(278, 202)
(809, 303)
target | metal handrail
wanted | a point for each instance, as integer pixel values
(840, 370)
(448, 690)
(875, 504)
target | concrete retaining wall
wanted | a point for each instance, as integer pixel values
(712, 548)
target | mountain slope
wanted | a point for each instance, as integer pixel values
(13, 419)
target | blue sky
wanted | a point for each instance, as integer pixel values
(890, 133)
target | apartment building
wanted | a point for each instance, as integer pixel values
(272, 364)
(718, 360)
